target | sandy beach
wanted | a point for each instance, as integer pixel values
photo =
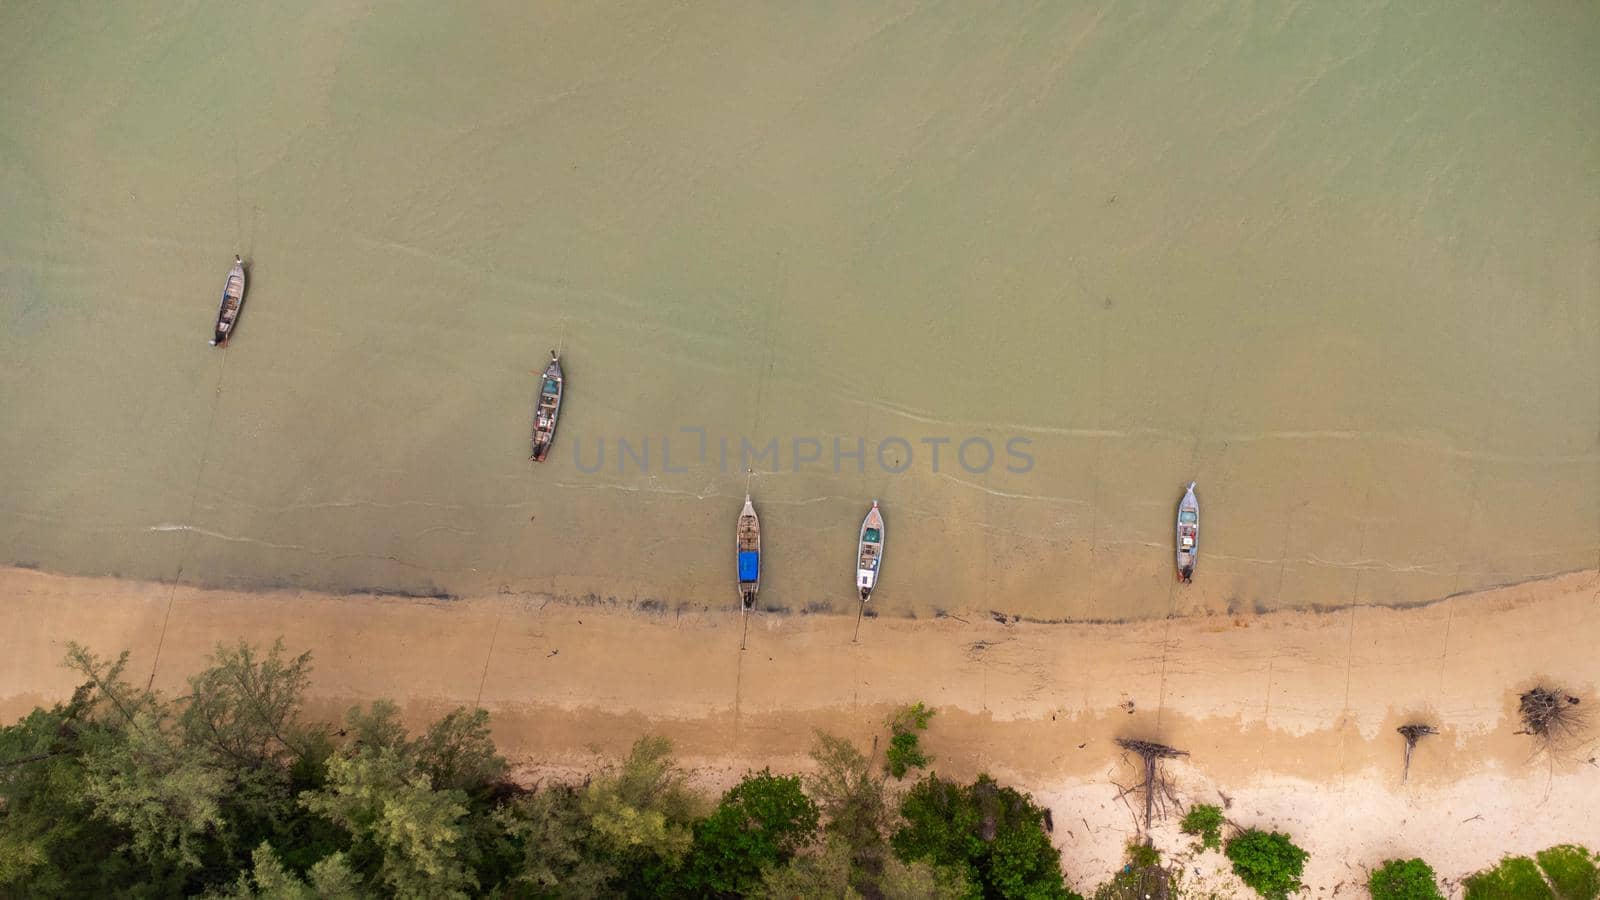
(1288, 715)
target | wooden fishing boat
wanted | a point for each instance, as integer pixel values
(549, 408)
(869, 552)
(232, 302)
(1188, 534)
(747, 543)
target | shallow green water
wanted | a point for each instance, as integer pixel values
(1339, 263)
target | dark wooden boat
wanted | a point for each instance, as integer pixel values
(747, 543)
(869, 552)
(232, 302)
(1188, 536)
(549, 408)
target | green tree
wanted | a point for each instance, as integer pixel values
(51, 842)
(139, 773)
(244, 709)
(760, 823)
(159, 788)
(159, 797)
(625, 832)
(993, 835)
(268, 879)
(554, 851)
(404, 832)
(921, 880)
(829, 874)
(1268, 862)
(942, 825)
(242, 717)
(458, 753)
(853, 804)
(1404, 879)
(643, 808)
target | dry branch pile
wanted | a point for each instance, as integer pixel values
(1552, 716)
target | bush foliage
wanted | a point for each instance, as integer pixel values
(1205, 822)
(1515, 878)
(1268, 862)
(905, 749)
(993, 835)
(1408, 879)
(1142, 878)
(1572, 871)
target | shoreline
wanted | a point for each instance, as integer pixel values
(1290, 713)
(615, 601)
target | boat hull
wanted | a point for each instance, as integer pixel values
(547, 410)
(869, 553)
(232, 304)
(1187, 536)
(747, 553)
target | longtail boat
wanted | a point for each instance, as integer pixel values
(549, 408)
(232, 302)
(1188, 534)
(869, 552)
(747, 543)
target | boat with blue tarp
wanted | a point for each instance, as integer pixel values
(747, 543)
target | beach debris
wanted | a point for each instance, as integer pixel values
(1551, 716)
(1154, 786)
(1413, 733)
(1127, 706)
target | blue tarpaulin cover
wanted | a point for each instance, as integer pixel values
(749, 565)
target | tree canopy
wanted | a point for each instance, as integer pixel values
(229, 791)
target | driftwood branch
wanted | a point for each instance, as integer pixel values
(1156, 789)
(1413, 733)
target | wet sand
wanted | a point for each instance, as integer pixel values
(1291, 714)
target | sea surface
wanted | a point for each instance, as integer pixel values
(1339, 263)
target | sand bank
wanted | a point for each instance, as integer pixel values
(1290, 714)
